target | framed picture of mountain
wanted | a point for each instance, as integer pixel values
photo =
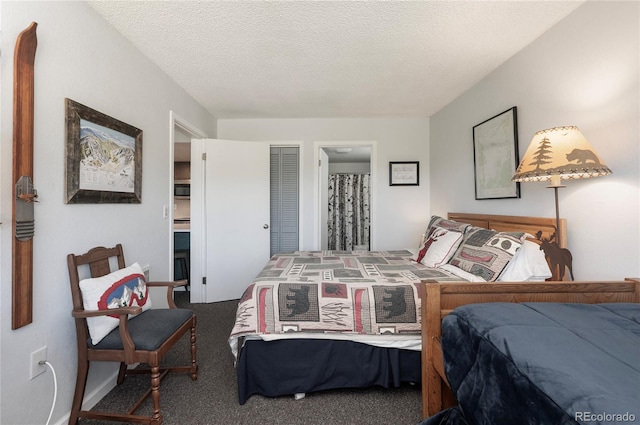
(104, 158)
(495, 156)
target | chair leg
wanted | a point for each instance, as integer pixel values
(194, 366)
(122, 372)
(78, 396)
(155, 395)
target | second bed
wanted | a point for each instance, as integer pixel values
(318, 320)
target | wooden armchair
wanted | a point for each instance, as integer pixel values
(143, 338)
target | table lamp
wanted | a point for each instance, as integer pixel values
(555, 154)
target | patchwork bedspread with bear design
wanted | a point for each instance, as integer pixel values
(367, 296)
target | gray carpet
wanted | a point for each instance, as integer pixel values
(213, 399)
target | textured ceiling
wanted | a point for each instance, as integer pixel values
(312, 59)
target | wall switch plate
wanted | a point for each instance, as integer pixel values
(36, 357)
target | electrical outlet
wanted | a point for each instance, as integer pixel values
(38, 356)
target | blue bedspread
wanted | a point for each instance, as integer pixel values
(544, 363)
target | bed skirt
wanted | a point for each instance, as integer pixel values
(292, 366)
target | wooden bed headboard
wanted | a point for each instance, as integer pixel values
(512, 223)
(541, 228)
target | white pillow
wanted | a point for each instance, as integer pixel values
(528, 264)
(439, 247)
(122, 288)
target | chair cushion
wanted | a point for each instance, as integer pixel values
(148, 330)
(121, 288)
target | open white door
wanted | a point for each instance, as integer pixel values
(324, 199)
(229, 216)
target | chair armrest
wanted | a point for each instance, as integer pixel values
(83, 314)
(124, 312)
(170, 286)
(127, 342)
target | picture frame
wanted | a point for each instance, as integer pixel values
(404, 173)
(103, 158)
(495, 156)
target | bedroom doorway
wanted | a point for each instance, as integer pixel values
(345, 180)
(178, 211)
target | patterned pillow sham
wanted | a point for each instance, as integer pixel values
(122, 288)
(439, 247)
(437, 221)
(485, 253)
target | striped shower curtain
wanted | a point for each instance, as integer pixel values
(348, 211)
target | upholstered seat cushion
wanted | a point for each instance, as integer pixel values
(148, 330)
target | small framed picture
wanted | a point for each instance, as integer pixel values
(404, 173)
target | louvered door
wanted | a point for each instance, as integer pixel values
(284, 184)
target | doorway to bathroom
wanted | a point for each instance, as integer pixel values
(345, 181)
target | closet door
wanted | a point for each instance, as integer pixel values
(285, 172)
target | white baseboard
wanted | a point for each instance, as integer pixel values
(93, 397)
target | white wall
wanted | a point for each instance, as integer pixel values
(80, 57)
(584, 72)
(401, 212)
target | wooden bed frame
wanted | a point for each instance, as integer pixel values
(540, 228)
(439, 299)
(512, 223)
(442, 298)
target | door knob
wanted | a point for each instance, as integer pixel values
(265, 226)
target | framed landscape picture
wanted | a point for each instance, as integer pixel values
(104, 158)
(495, 155)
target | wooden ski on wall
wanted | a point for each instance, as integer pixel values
(25, 194)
